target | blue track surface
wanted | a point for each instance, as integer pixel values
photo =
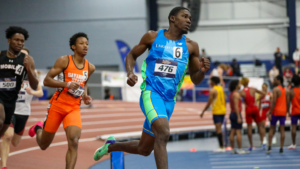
(290, 159)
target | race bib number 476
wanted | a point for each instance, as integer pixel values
(165, 68)
(7, 84)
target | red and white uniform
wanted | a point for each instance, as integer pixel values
(266, 105)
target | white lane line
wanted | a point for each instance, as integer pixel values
(254, 158)
(136, 120)
(258, 161)
(51, 145)
(119, 128)
(121, 115)
(105, 110)
(248, 166)
(262, 155)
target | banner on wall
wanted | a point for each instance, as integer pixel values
(113, 79)
(123, 49)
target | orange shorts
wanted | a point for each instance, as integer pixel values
(58, 112)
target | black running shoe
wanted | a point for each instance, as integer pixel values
(281, 150)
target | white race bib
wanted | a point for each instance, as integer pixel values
(8, 84)
(165, 68)
(19, 69)
(265, 105)
(177, 52)
(21, 96)
(77, 93)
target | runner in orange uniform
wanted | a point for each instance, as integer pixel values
(278, 111)
(73, 72)
(295, 117)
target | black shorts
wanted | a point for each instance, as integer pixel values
(18, 122)
(9, 109)
(218, 118)
(234, 121)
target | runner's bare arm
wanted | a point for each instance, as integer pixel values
(135, 52)
(30, 67)
(60, 64)
(259, 105)
(37, 93)
(274, 98)
(242, 94)
(236, 99)
(212, 96)
(197, 68)
(262, 94)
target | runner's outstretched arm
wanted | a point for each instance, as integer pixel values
(135, 52)
(197, 68)
(212, 96)
(262, 94)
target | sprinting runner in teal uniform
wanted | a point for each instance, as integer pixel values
(170, 53)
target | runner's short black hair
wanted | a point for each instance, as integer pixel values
(74, 38)
(176, 10)
(280, 78)
(16, 29)
(233, 84)
(296, 80)
(215, 79)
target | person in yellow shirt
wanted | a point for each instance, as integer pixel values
(217, 100)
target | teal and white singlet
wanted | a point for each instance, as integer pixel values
(163, 72)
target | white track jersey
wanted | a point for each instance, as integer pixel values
(24, 99)
(215, 72)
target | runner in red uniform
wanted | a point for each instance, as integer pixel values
(264, 106)
(236, 117)
(252, 111)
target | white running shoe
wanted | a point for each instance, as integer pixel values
(242, 151)
(265, 141)
(292, 147)
(274, 140)
(220, 150)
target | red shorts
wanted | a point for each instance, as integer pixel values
(58, 112)
(297, 63)
(253, 113)
(264, 114)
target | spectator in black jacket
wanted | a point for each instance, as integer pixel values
(278, 59)
(236, 68)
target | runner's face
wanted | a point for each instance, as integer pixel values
(16, 42)
(239, 86)
(264, 87)
(82, 46)
(183, 20)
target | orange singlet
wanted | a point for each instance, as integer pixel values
(280, 106)
(296, 102)
(65, 103)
